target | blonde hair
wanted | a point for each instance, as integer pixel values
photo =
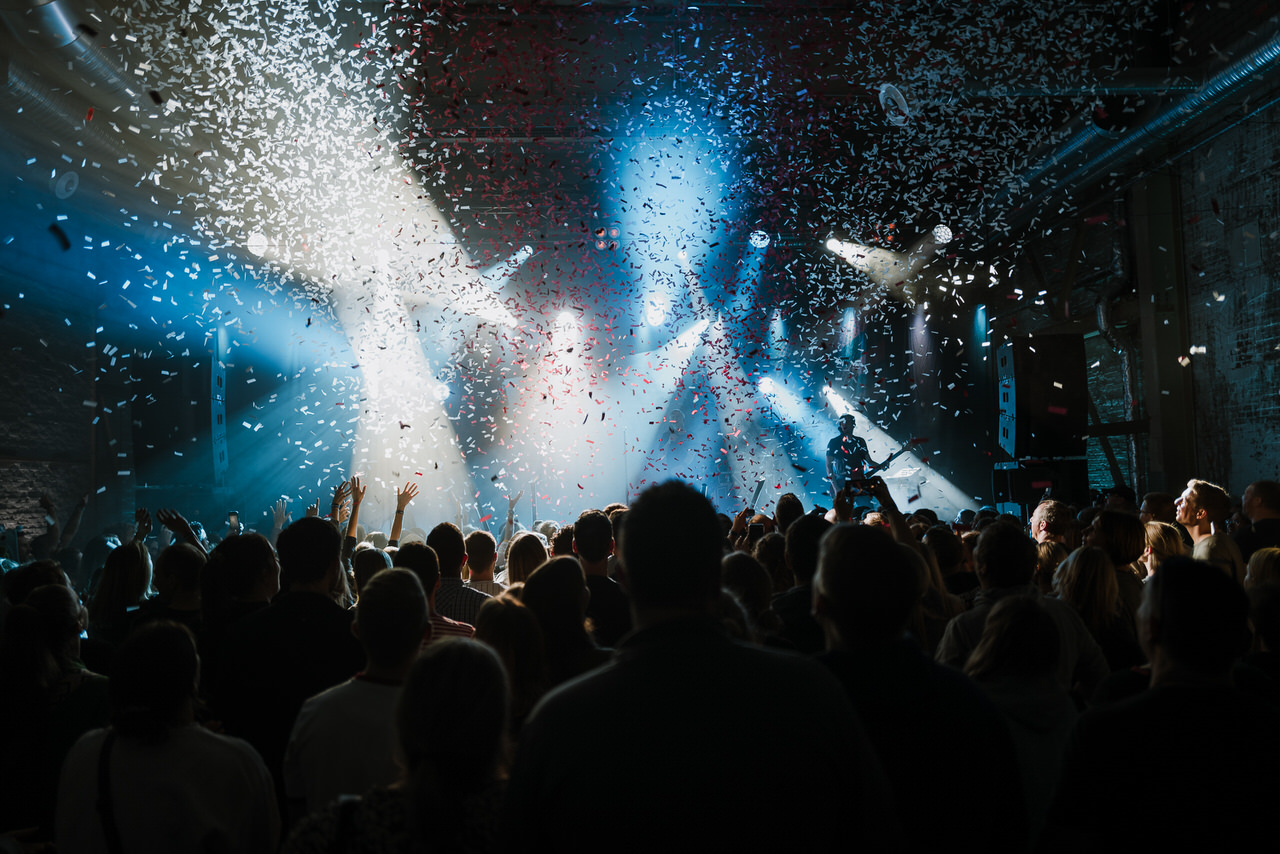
(1165, 541)
(1264, 568)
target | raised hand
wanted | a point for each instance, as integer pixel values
(405, 496)
(314, 509)
(356, 491)
(280, 512)
(142, 522)
(512, 502)
(174, 521)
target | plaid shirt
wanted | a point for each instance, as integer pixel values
(459, 602)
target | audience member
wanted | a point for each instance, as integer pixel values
(482, 560)
(1050, 522)
(293, 649)
(1123, 537)
(771, 551)
(155, 780)
(795, 607)
(1263, 568)
(1086, 581)
(513, 631)
(596, 757)
(1016, 664)
(1006, 560)
(527, 553)
(1176, 767)
(1261, 507)
(451, 722)
(1163, 541)
(924, 720)
(556, 593)
(1203, 509)
(50, 700)
(340, 743)
(453, 599)
(609, 607)
(421, 560)
(177, 583)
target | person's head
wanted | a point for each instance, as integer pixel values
(391, 617)
(1087, 581)
(421, 560)
(18, 583)
(865, 587)
(946, 547)
(771, 551)
(367, 562)
(802, 546)
(1049, 555)
(505, 624)
(670, 550)
(40, 639)
(1202, 504)
(1261, 500)
(1050, 521)
(1005, 556)
(1156, 507)
(310, 550)
(1263, 568)
(847, 424)
(562, 541)
(178, 570)
(788, 509)
(1121, 498)
(452, 721)
(1019, 642)
(1121, 535)
(744, 577)
(482, 553)
(450, 547)
(1194, 616)
(241, 569)
(154, 677)
(593, 537)
(557, 594)
(126, 578)
(527, 553)
(1163, 541)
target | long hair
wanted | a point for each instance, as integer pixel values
(126, 577)
(452, 723)
(525, 554)
(1165, 541)
(1019, 641)
(1086, 581)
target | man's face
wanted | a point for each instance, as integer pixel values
(1145, 513)
(1248, 504)
(1037, 518)
(1184, 509)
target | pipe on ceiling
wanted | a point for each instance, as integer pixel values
(1099, 152)
(29, 96)
(53, 31)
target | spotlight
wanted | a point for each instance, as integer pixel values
(941, 234)
(257, 243)
(655, 312)
(833, 245)
(759, 239)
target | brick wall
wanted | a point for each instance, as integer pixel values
(1231, 227)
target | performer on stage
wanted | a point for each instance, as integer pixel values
(847, 457)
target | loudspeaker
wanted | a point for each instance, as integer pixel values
(1044, 396)
(1027, 484)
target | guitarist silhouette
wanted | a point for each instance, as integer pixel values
(847, 456)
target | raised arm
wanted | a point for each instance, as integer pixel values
(280, 518)
(340, 493)
(181, 528)
(509, 528)
(403, 498)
